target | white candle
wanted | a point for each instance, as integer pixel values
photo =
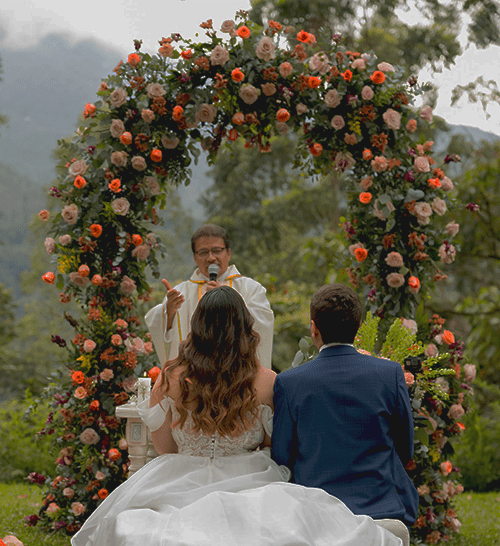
(143, 388)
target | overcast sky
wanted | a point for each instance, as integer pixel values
(118, 22)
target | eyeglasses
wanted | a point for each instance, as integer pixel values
(204, 252)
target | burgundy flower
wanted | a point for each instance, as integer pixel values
(35, 477)
(473, 207)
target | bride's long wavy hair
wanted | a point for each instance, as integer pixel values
(218, 362)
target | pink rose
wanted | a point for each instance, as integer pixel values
(77, 508)
(439, 206)
(65, 240)
(148, 347)
(456, 411)
(127, 285)
(394, 259)
(269, 89)
(119, 159)
(431, 350)
(116, 340)
(122, 444)
(379, 163)
(282, 128)
(441, 381)
(227, 26)
(455, 524)
(169, 143)
(446, 184)
(423, 490)
(68, 492)
(337, 122)
(447, 253)
(319, 63)
(469, 373)
(285, 69)
(248, 93)
(70, 214)
(395, 280)
(120, 206)
(265, 49)
(77, 168)
(411, 126)
(206, 113)
(78, 280)
(219, 56)
(359, 64)
(50, 245)
(141, 252)
(117, 128)
(410, 324)
(100, 476)
(89, 437)
(367, 93)
(152, 185)
(138, 163)
(129, 383)
(409, 379)
(385, 67)
(353, 248)
(89, 346)
(426, 113)
(118, 97)
(148, 115)
(106, 374)
(422, 164)
(301, 108)
(423, 212)
(155, 90)
(332, 99)
(135, 344)
(392, 119)
(52, 508)
(80, 393)
(11, 540)
(366, 182)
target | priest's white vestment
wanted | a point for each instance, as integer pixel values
(254, 294)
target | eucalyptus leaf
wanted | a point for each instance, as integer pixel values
(299, 358)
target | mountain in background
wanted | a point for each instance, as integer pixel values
(44, 89)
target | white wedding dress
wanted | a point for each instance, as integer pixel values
(221, 491)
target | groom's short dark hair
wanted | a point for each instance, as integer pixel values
(336, 311)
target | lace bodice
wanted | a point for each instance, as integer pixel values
(202, 445)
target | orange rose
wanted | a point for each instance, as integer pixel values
(80, 182)
(283, 115)
(447, 337)
(434, 183)
(94, 405)
(414, 283)
(134, 59)
(313, 82)
(367, 154)
(347, 75)
(237, 75)
(103, 493)
(95, 230)
(126, 139)
(96, 280)
(84, 270)
(377, 77)
(305, 37)
(365, 197)
(316, 149)
(238, 118)
(115, 185)
(49, 277)
(78, 377)
(243, 32)
(154, 373)
(178, 112)
(89, 111)
(361, 254)
(233, 134)
(187, 54)
(156, 155)
(137, 240)
(44, 215)
(114, 454)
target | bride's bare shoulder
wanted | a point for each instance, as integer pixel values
(264, 384)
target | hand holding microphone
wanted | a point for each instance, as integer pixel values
(213, 271)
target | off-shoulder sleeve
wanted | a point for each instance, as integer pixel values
(155, 416)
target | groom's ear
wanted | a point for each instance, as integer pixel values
(316, 336)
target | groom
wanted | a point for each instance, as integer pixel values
(343, 422)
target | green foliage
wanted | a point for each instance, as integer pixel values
(400, 343)
(21, 449)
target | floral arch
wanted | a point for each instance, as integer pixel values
(350, 113)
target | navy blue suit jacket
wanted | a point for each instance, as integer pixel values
(343, 423)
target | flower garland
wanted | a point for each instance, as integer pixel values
(350, 112)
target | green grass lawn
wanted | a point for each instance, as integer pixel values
(478, 512)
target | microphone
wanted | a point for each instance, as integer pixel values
(213, 271)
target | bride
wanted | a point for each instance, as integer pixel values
(214, 482)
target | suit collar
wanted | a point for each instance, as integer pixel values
(337, 350)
